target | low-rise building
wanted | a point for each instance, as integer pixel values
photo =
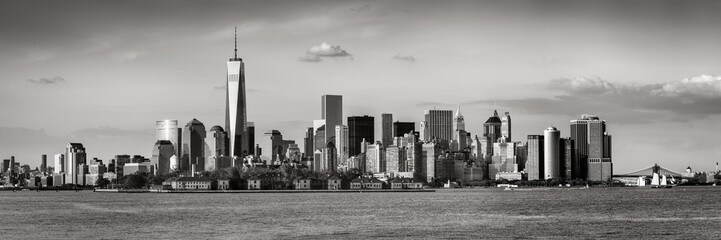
(223, 184)
(190, 183)
(308, 183)
(337, 183)
(366, 183)
(405, 183)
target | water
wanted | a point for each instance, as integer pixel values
(613, 213)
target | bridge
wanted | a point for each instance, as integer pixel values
(649, 171)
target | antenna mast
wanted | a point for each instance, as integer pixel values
(236, 42)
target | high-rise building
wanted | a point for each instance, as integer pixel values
(236, 118)
(386, 129)
(168, 130)
(375, 158)
(220, 137)
(591, 151)
(568, 165)
(308, 143)
(439, 124)
(193, 146)
(273, 146)
(44, 163)
(75, 156)
(521, 155)
(341, 139)
(534, 159)
(551, 153)
(491, 134)
(162, 151)
(251, 138)
(332, 113)
(429, 154)
(423, 129)
(459, 124)
(506, 127)
(6, 165)
(359, 128)
(12, 170)
(401, 128)
(59, 163)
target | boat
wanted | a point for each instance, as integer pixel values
(661, 182)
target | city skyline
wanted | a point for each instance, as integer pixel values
(661, 111)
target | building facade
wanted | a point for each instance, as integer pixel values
(359, 128)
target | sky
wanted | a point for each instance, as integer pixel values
(101, 73)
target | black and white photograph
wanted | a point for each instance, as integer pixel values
(364, 119)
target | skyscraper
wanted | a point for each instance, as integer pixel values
(332, 113)
(359, 128)
(44, 163)
(251, 138)
(551, 153)
(75, 156)
(491, 134)
(591, 151)
(236, 119)
(439, 124)
(193, 146)
(59, 163)
(162, 151)
(459, 124)
(386, 129)
(568, 164)
(308, 143)
(220, 138)
(168, 130)
(506, 127)
(341, 139)
(401, 128)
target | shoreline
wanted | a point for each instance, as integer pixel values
(262, 191)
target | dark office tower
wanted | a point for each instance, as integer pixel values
(11, 169)
(44, 163)
(386, 129)
(590, 137)
(332, 113)
(359, 128)
(506, 127)
(74, 156)
(401, 128)
(221, 141)
(308, 143)
(568, 166)
(251, 138)
(236, 119)
(521, 156)
(6, 165)
(534, 159)
(439, 124)
(193, 145)
(492, 128)
(162, 151)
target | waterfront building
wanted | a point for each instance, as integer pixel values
(401, 128)
(592, 146)
(162, 151)
(386, 129)
(366, 183)
(75, 157)
(168, 130)
(360, 128)
(551, 153)
(341, 142)
(193, 145)
(236, 118)
(335, 183)
(405, 183)
(439, 124)
(132, 168)
(332, 113)
(534, 160)
(308, 183)
(190, 183)
(503, 158)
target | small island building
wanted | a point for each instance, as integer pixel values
(190, 183)
(335, 183)
(366, 183)
(223, 184)
(308, 184)
(405, 183)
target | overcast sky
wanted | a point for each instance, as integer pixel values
(101, 73)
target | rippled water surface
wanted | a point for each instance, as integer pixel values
(614, 213)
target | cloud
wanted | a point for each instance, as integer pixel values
(408, 58)
(324, 50)
(128, 56)
(45, 81)
(696, 97)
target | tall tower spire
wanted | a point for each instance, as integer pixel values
(236, 42)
